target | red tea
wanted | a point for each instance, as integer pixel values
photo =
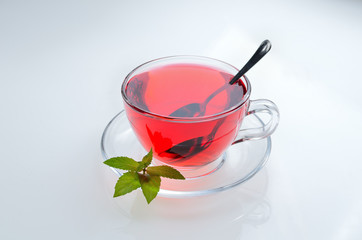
(188, 99)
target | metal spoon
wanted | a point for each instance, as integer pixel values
(182, 151)
(198, 109)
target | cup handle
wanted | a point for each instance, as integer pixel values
(260, 106)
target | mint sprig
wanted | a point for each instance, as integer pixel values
(141, 175)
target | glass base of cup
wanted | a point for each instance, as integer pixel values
(196, 172)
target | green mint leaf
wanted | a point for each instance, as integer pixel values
(165, 171)
(124, 163)
(150, 186)
(141, 166)
(128, 182)
(146, 160)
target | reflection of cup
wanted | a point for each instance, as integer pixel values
(184, 108)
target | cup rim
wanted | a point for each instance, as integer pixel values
(244, 99)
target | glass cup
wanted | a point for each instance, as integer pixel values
(184, 108)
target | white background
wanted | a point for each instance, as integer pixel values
(61, 67)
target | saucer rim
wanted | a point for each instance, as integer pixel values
(189, 194)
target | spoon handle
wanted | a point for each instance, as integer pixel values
(263, 49)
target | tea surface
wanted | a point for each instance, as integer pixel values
(166, 89)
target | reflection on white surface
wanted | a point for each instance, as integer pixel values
(210, 217)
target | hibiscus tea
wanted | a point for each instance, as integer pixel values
(187, 113)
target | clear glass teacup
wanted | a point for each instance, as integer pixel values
(184, 108)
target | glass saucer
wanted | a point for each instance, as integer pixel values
(241, 161)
